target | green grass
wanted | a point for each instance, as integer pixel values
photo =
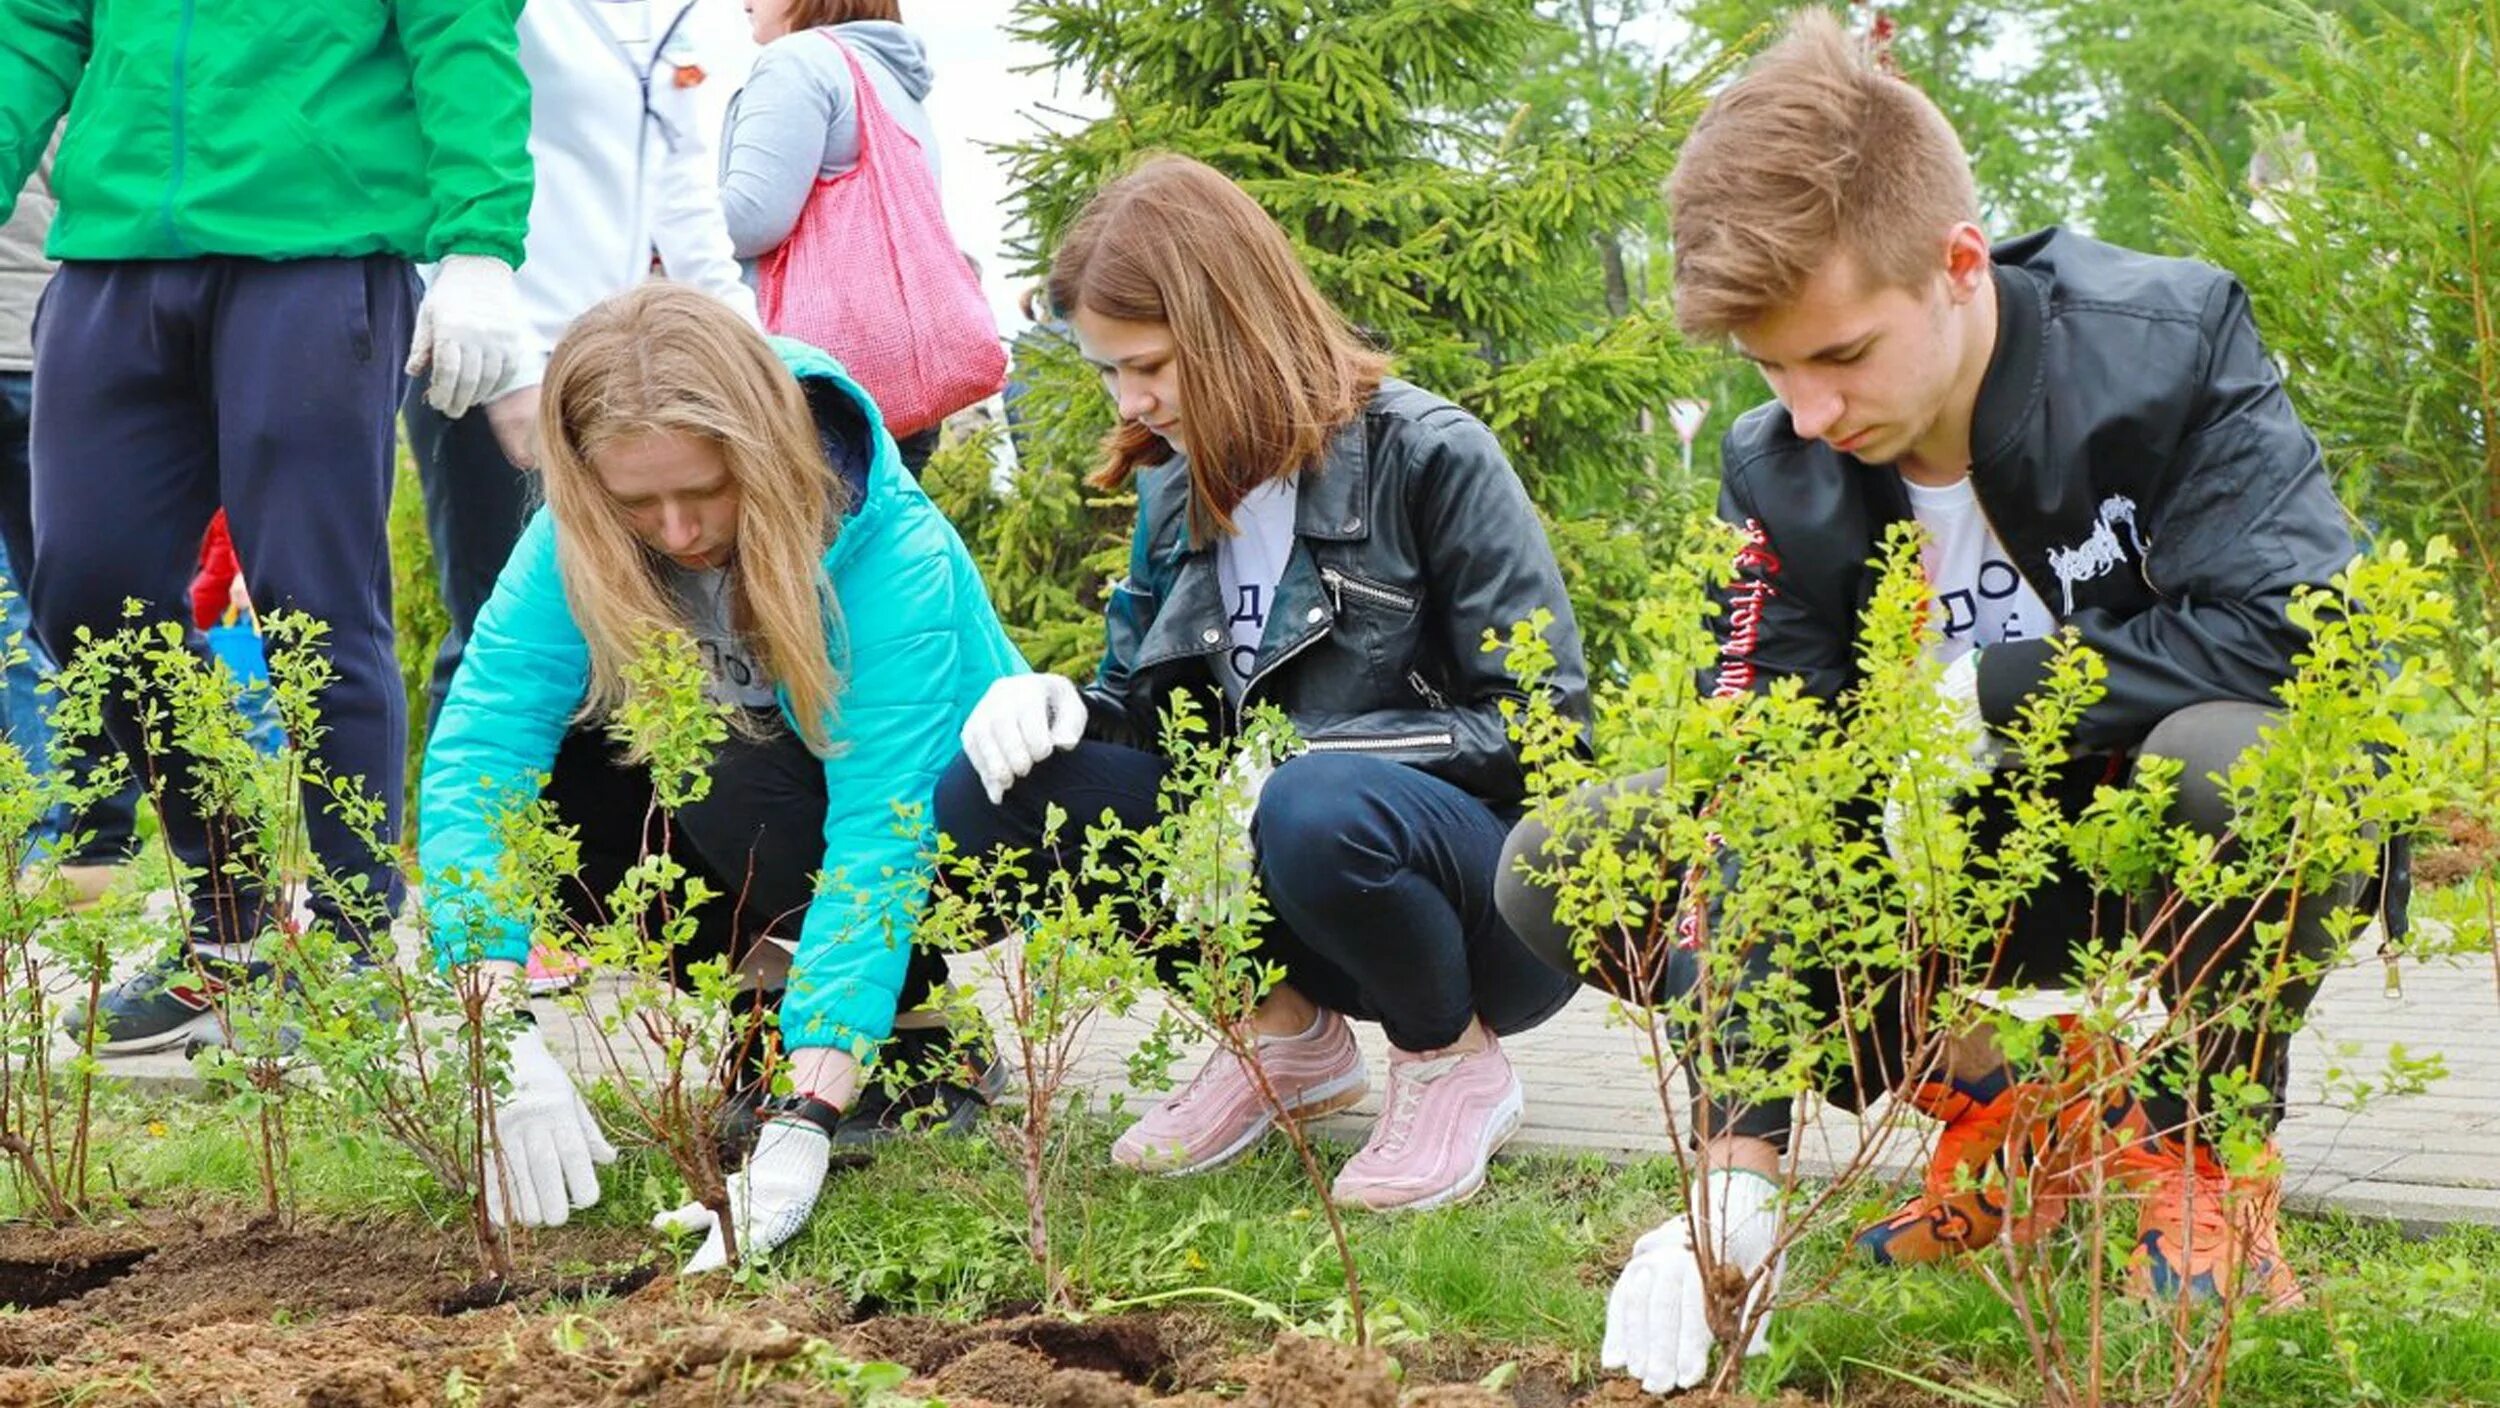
(936, 1227)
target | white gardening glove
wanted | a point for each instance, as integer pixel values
(1020, 721)
(468, 331)
(769, 1199)
(1657, 1319)
(547, 1143)
(1959, 689)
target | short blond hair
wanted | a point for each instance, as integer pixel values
(1815, 151)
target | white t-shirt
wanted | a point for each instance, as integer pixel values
(1980, 598)
(1247, 566)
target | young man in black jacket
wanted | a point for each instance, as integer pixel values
(2093, 440)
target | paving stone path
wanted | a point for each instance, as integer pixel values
(2425, 1160)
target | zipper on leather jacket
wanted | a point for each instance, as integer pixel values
(1383, 743)
(1339, 583)
(1422, 686)
(1250, 686)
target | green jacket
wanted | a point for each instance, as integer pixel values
(270, 129)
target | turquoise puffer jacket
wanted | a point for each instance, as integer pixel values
(920, 644)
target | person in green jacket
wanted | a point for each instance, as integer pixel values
(243, 188)
(745, 492)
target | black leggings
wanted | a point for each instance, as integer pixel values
(2218, 960)
(757, 839)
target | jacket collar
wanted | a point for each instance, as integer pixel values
(2009, 395)
(856, 446)
(1328, 505)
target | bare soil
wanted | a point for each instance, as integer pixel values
(2458, 849)
(197, 1308)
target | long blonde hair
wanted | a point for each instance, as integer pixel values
(1269, 369)
(660, 359)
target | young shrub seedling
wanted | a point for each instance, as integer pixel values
(1074, 959)
(1197, 887)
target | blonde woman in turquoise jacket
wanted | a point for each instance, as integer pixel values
(701, 477)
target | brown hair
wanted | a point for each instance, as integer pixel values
(1814, 151)
(809, 14)
(662, 358)
(1268, 369)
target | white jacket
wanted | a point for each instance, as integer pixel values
(622, 169)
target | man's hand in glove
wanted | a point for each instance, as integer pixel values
(468, 332)
(1658, 1318)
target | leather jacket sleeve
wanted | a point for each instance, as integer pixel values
(1110, 699)
(1784, 613)
(1489, 567)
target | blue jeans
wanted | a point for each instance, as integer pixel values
(1380, 876)
(22, 661)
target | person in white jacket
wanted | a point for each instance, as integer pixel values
(624, 176)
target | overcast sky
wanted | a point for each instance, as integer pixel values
(977, 99)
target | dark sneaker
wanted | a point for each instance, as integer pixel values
(284, 1039)
(1960, 1205)
(171, 1002)
(941, 1090)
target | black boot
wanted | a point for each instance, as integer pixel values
(927, 1080)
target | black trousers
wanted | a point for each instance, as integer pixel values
(757, 840)
(167, 389)
(2215, 963)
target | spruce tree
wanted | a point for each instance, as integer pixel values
(1470, 244)
(2372, 257)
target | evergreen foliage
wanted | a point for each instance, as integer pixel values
(1471, 249)
(2375, 270)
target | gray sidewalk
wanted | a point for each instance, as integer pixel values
(2425, 1160)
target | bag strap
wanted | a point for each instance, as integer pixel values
(870, 110)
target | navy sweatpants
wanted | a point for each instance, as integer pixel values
(164, 389)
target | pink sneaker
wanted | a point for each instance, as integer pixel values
(1445, 1115)
(552, 971)
(1219, 1115)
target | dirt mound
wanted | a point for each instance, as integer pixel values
(1083, 1388)
(2457, 849)
(1000, 1371)
(361, 1386)
(1131, 1349)
(233, 1311)
(1298, 1372)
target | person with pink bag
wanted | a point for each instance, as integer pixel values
(829, 179)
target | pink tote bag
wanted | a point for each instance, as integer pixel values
(871, 274)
